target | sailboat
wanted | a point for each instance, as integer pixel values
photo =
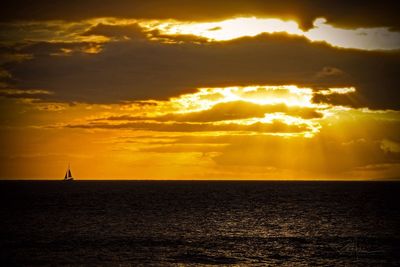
(68, 175)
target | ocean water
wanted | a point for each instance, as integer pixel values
(170, 223)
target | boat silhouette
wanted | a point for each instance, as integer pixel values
(68, 175)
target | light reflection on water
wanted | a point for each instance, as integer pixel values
(167, 223)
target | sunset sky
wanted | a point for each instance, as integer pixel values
(200, 89)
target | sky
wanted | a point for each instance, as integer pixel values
(250, 90)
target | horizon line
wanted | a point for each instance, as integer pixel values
(394, 179)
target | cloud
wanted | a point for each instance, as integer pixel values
(361, 38)
(16, 93)
(233, 110)
(132, 96)
(357, 15)
(389, 146)
(9, 55)
(329, 72)
(274, 127)
(350, 100)
(140, 70)
(117, 32)
(183, 148)
(17, 33)
(350, 144)
(4, 74)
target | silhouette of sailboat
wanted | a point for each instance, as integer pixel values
(68, 175)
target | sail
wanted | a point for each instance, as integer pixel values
(68, 175)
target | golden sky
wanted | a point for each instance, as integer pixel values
(235, 91)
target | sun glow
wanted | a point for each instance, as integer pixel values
(159, 94)
(212, 129)
(360, 38)
(340, 91)
(285, 110)
(205, 98)
(167, 31)
(290, 96)
(227, 29)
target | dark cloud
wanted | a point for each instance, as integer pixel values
(23, 94)
(233, 110)
(329, 71)
(132, 70)
(351, 13)
(133, 31)
(45, 49)
(182, 148)
(350, 99)
(274, 127)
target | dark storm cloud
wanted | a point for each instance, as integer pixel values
(130, 70)
(351, 13)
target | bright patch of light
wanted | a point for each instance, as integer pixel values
(340, 91)
(205, 98)
(289, 107)
(361, 38)
(229, 29)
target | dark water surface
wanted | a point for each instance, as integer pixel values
(118, 223)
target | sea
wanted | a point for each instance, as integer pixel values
(199, 223)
